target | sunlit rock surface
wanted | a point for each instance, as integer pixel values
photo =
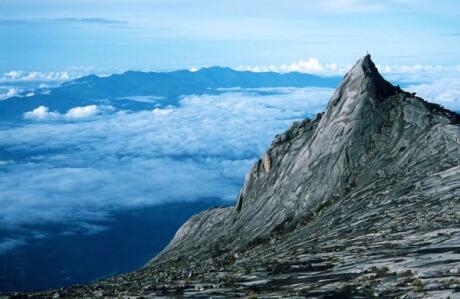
(362, 201)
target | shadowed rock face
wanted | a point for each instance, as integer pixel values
(362, 201)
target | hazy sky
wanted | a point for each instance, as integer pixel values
(168, 34)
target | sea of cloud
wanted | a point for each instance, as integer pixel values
(78, 167)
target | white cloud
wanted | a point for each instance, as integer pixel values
(310, 65)
(417, 68)
(14, 76)
(41, 113)
(6, 93)
(82, 112)
(314, 66)
(445, 92)
(159, 111)
(41, 76)
(18, 83)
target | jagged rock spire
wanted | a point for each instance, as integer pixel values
(363, 83)
(382, 87)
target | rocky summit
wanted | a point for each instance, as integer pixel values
(362, 201)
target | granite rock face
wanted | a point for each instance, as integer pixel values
(362, 201)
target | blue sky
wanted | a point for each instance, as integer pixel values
(118, 35)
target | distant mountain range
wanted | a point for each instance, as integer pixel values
(146, 90)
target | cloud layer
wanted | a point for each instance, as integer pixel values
(56, 171)
(314, 66)
(444, 91)
(13, 76)
(43, 113)
(310, 65)
(8, 92)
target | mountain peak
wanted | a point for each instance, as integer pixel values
(366, 69)
(366, 63)
(362, 86)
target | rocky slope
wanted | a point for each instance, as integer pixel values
(362, 201)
